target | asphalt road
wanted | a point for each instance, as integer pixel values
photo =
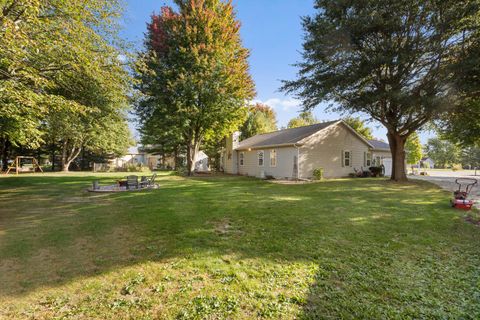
(446, 180)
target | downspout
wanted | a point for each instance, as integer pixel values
(298, 161)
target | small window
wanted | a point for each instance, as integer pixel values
(347, 158)
(273, 158)
(242, 156)
(378, 161)
(368, 159)
(260, 155)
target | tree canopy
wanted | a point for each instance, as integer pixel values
(194, 74)
(389, 59)
(359, 126)
(305, 118)
(443, 152)
(413, 148)
(58, 58)
(260, 119)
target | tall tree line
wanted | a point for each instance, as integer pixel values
(62, 83)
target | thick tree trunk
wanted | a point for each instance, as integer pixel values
(68, 157)
(192, 151)
(397, 147)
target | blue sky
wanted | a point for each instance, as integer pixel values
(272, 30)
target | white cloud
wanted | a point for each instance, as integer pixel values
(282, 104)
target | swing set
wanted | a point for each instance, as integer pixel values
(24, 164)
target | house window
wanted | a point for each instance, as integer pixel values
(260, 155)
(368, 159)
(347, 158)
(273, 158)
(242, 156)
(378, 161)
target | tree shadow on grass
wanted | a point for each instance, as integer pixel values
(367, 237)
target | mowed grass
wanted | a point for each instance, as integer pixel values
(235, 248)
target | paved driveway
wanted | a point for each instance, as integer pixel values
(446, 180)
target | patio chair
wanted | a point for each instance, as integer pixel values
(148, 181)
(132, 182)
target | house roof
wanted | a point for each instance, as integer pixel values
(379, 145)
(287, 137)
(282, 137)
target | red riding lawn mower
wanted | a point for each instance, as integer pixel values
(460, 200)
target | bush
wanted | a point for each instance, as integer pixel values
(134, 168)
(456, 167)
(318, 174)
(376, 171)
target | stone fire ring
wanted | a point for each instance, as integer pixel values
(115, 188)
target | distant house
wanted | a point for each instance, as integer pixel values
(427, 162)
(297, 152)
(139, 156)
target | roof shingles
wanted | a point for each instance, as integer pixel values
(380, 145)
(282, 137)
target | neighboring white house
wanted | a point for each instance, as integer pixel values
(297, 152)
(427, 162)
(381, 155)
(201, 162)
(138, 156)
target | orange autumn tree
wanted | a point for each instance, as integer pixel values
(193, 76)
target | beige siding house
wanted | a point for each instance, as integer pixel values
(296, 153)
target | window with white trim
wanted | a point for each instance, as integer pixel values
(260, 155)
(273, 158)
(242, 157)
(347, 158)
(368, 159)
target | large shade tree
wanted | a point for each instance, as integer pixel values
(388, 59)
(194, 74)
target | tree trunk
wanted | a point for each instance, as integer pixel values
(192, 151)
(397, 147)
(53, 157)
(5, 151)
(67, 157)
(64, 157)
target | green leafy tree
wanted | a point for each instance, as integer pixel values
(413, 148)
(388, 59)
(470, 157)
(49, 50)
(443, 152)
(359, 126)
(194, 75)
(305, 118)
(462, 125)
(260, 119)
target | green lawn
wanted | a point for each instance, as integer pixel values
(232, 247)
